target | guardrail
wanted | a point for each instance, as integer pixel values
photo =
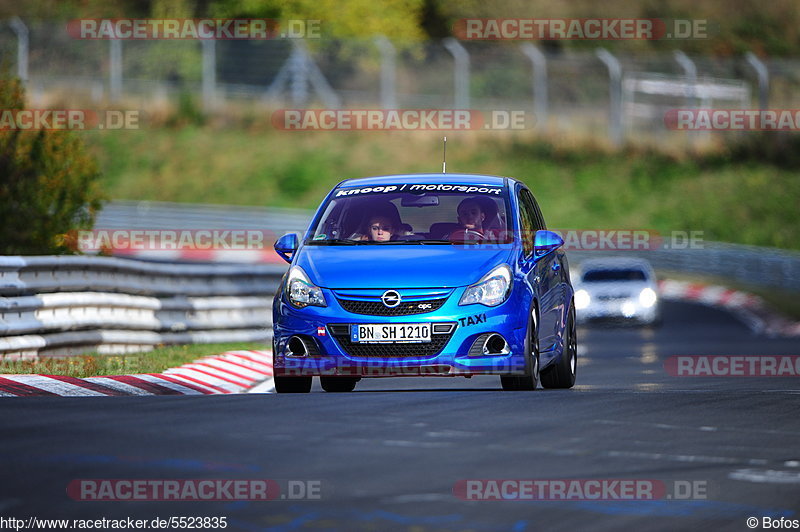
(71, 304)
(760, 266)
(165, 215)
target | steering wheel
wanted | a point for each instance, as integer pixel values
(466, 235)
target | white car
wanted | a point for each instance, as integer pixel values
(617, 289)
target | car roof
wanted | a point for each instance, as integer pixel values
(615, 263)
(450, 179)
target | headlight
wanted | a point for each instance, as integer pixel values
(647, 297)
(628, 309)
(301, 292)
(582, 299)
(491, 290)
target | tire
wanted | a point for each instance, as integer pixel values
(338, 384)
(528, 381)
(292, 384)
(562, 375)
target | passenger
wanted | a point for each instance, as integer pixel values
(382, 224)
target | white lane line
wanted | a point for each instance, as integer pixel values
(767, 476)
(55, 386)
(447, 433)
(686, 458)
(120, 386)
(419, 444)
(169, 384)
(702, 428)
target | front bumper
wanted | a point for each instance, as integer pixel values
(449, 354)
(622, 309)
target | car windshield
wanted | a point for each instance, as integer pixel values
(602, 276)
(414, 214)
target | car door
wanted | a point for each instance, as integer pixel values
(546, 275)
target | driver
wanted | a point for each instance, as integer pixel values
(471, 218)
(471, 215)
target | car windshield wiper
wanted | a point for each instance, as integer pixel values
(336, 242)
(402, 242)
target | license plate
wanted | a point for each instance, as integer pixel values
(406, 333)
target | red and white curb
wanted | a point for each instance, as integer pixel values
(231, 372)
(750, 308)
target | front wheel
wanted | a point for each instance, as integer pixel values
(562, 374)
(292, 384)
(530, 379)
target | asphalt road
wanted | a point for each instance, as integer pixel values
(387, 456)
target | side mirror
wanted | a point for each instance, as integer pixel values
(286, 245)
(544, 242)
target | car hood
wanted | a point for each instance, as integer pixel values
(399, 266)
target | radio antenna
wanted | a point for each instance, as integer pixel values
(444, 156)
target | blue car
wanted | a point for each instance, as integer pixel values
(425, 275)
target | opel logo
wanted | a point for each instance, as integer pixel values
(391, 298)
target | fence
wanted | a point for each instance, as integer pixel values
(67, 305)
(565, 89)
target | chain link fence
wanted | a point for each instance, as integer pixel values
(567, 89)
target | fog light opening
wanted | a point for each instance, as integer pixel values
(495, 345)
(297, 347)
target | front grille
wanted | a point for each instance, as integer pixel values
(377, 308)
(611, 297)
(432, 348)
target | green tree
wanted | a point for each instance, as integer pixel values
(397, 19)
(48, 184)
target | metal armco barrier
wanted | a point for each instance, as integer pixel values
(757, 266)
(72, 304)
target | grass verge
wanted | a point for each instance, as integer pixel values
(742, 194)
(94, 365)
